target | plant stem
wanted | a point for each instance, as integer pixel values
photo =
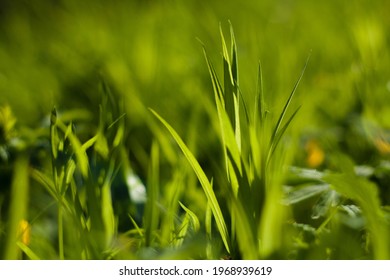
(60, 231)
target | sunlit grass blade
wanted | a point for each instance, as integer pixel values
(190, 224)
(217, 88)
(270, 230)
(29, 253)
(287, 104)
(231, 87)
(234, 59)
(193, 218)
(227, 133)
(205, 183)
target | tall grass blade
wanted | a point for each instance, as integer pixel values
(18, 206)
(231, 94)
(205, 183)
(287, 104)
(227, 133)
(259, 99)
(151, 210)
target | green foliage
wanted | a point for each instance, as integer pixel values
(248, 189)
(246, 171)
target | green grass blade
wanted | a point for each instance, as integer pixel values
(205, 183)
(192, 217)
(244, 231)
(45, 181)
(209, 232)
(214, 79)
(81, 156)
(231, 94)
(108, 217)
(29, 253)
(279, 135)
(227, 133)
(234, 60)
(259, 99)
(53, 133)
(287, 104)
(151, 217)
(18, 206)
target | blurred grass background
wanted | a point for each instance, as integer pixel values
(55, 53)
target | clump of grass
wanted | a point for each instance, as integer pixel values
(80, 183)
(253, 164)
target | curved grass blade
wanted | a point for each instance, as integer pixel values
(206, 185)
(192, 217)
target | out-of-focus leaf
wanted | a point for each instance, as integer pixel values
(327, 199)
(305, 192)
(366, 195)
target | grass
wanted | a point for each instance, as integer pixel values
(151, 145)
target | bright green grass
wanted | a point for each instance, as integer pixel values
(287, 158)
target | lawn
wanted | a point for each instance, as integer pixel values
(187, 130)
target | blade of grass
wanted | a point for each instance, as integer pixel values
(29, 253)
(227, 133)
(205, 183)
(18, 206)
(81, 156)
(108, 217)
(231, 94)
(244, 233)
(151, 210)
(287, 104)
(193, 218)
(279, 135)
(259, 99)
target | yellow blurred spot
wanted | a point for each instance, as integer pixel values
(315, 155)
(382, 146)
(7, 124)
(24, 232)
